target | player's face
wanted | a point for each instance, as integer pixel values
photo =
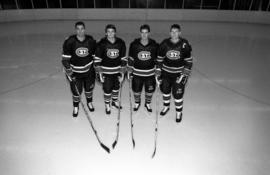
(144, 34)
(175, 33)
(80, 30)
(110, 33)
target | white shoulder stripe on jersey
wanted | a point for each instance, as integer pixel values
(66, 56)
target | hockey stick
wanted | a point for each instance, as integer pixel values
(88, 117)
(156, 127)
(131, 116)
(118, 115)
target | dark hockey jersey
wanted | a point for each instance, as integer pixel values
(78, 55)
(142, 59)
(110, 56)
(175, 57)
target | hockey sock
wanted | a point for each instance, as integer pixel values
(137, 97)
(178, 104)
(89, 96)
(115, 95)
(148, 97)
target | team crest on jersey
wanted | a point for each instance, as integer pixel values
(82, 52)
(144, 55)
(112, 53)
(173, 54)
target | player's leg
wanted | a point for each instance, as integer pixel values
(89, 84)
(178, 93)
(165, 88)
(115, 91)
(76, 86)
(150, 87)
(107, 89)
(137, 85)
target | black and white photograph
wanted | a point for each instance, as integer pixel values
(134, 87)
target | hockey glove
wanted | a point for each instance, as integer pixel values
(158, 72)
(98, 69)
(129, 75)
(123, 70)
(186, 72)
(121, 77)
(70, 75)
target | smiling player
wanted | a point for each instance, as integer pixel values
(141, 67)
(77, 59)
(175, 62)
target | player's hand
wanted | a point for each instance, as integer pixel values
(186, 72)
(123, 70)
(98, 69)
(121, 77)
(158, 72)
(70, 75)
(129, 75)
(129, 69)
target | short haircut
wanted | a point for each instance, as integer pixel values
(79, 23)
(145, 26)
(110, 26)
(175, 26)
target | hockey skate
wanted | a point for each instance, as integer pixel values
(136, 106)
(164, 110)
(178, 117)
(116, 104)
(107, 109)
(148, 107)
(75, 111)
(90, 107)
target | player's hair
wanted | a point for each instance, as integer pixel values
(145, 26)
(110, 26)
(175, 26)
(79, 23)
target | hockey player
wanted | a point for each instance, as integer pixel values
(110, 63)
(175, 63)
(77, 59)
(141, 66)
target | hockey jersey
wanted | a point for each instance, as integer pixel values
(110, 56)
(142, 58)
(78, 55)
(175, 57)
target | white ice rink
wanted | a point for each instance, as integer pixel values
(225, 128)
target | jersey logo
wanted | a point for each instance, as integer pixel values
(112, 53)
(82, 52)
(144, 55)
(173, 54)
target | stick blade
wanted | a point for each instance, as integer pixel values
(105, 148)
(154, 153)
(133, 143)
(114, 144)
